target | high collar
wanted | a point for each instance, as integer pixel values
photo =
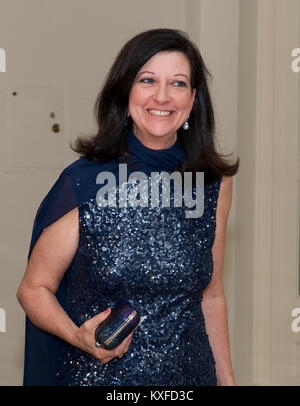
(168, 158)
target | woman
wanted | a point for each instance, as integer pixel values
(154, 114)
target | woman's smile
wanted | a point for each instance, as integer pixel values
(160, 113)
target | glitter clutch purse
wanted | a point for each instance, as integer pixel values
(121, 321)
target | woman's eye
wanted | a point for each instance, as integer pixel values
(179, 83)
(147, 80)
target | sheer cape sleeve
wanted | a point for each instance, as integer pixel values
(75, 185)
(41, 348)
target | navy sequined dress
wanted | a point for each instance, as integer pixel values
(154, 257)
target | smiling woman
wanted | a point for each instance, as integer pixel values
(163, 68)
(154, 114)
(159, 103)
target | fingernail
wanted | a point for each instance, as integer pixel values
(107, 310)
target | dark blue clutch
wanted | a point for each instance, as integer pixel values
(122, 320)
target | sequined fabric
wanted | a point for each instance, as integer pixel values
(160, 261)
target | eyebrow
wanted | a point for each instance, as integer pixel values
(182, 74)
(152, 73)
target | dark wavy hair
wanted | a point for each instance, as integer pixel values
(111, 106)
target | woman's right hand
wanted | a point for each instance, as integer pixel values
(85, 340)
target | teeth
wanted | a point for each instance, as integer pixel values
(159, 113)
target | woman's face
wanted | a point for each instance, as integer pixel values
(161, 99)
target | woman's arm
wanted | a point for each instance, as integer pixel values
(214, 303)
(49, 260)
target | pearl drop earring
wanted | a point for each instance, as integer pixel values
(186, 125)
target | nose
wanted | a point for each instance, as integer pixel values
(162, 94)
